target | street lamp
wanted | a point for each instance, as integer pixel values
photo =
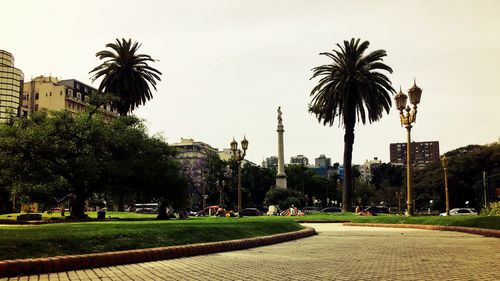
(398, 195)
(238, 157)
(407, 118)
(444, 162)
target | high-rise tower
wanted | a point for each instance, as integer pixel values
(11, 87)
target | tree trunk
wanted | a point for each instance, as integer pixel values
(162, 211)
(348, 143)
(78, 207)
(121, 202)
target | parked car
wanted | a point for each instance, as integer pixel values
(311, 209)
(208, 211)
(332, 210)
(393, 210)
(146, 208)
(377, 210)
(249, 212)
(461, 212)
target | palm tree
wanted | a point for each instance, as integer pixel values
(351, 89)
(126, 74)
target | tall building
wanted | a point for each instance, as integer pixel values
(51, 93)
(421, 152)
(299, 160)
(322, 161)
(366, 169)
(11, 87)
(271, 163)
(191, 151)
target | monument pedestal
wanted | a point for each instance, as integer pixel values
(281, 181)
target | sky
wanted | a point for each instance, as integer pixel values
(228, 64)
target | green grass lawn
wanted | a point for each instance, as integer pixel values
(123, 231)
(27, 241)
(492, 222)
(109, 215)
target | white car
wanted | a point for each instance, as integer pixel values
(461, 212)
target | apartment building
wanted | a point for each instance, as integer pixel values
(47, 92)
(11, 87)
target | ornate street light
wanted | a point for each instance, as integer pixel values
(444, 162)
(238, 157)
(407, 118)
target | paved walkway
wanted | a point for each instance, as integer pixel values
(337, 253)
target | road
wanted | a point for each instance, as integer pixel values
(337, 253)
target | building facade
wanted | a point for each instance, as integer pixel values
(271, 163)
(322, 161)
(421, 153)
(366, 169)
(191, 151)
(299, 160)
(53, 94)
(11, 87)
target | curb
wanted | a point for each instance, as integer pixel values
(11, 268)
(321, 221)
(471, 230)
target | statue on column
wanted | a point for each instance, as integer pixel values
(280, 120)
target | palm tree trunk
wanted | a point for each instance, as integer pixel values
(348, 143)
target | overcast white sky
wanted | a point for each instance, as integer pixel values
(227, 65)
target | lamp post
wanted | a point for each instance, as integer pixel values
(239, 156)
(398, 195)
(407, 118)
(444, 162)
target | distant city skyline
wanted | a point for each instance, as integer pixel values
(228, 65)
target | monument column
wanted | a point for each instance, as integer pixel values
(281, 176)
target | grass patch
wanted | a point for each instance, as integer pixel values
(491, 222)
(29, 241)
(109, 215)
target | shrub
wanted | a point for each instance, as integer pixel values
(492, 209)
(284, 198)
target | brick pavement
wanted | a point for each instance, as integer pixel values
(338, 253)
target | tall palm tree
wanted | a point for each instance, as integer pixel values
(126, 74)
(351, 89)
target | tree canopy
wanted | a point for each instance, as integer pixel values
(126, 74)
(351, 88)
(50, 155)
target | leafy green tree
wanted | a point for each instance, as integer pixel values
(55, 155)
(284, 198)
(142, 168)
(312, 185)
(159, 175)
(126, 74)
(465, 177)
(47, 156)
(256, 181)
(387, 179)
(217, 177)
(351, 89)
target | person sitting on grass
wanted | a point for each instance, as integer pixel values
(221, 212)
(359, 210)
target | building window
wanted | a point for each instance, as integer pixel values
(36, 96)
(78, 96)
